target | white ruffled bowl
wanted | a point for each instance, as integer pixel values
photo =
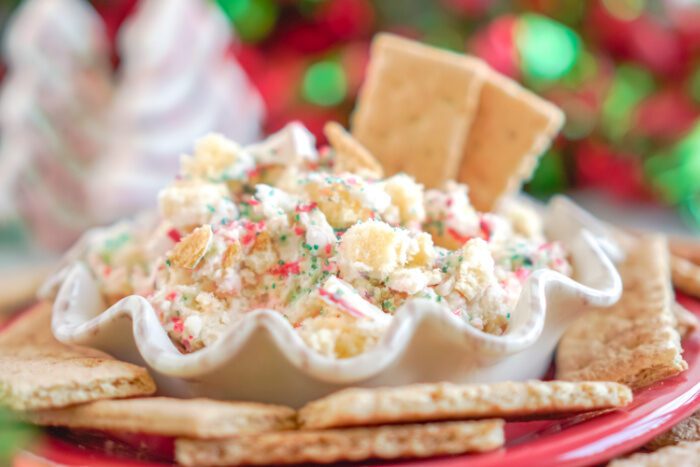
(263, 359)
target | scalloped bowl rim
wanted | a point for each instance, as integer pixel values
(75, 281)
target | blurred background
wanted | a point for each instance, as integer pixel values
(99, 98)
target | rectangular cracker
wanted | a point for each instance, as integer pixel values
(687, 430)
(683, 454)
(355, 444)
(38, 372)
(513, 127)
(446, 401)
(191, 418)
(416, 106)
(635, 341)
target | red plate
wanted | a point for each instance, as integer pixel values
(578, 440)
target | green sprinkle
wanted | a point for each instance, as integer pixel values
(211, 208)
(507, 315)
(283, 238)
(315, 247)
(167, 262)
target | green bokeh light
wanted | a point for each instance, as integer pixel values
(629, 87)
(325, 83)
(548, 49)
(676, 172)
(252, 19)
(550, 176)
(690, 211)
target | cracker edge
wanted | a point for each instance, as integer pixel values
(442, 401)
(139, 383)
(355, 444)
(205, 418)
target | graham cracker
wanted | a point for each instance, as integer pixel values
(38, 372)
(687, 430)
(512, 128)
(190, 250)
(415, 108)
(635, 341)
(350, 155)
(681, 455)
(355, 444)
(445, 401)
(191, 418)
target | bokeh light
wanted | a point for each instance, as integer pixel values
(548, 49)
(630, 85)
(325, 83)
(253, 19)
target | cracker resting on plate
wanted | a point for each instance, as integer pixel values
(686, 430)
(354, 444)
(446, 401)
(681, 455)
(165, 416)
(635, 341)
(38, 372)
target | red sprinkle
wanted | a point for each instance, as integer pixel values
(107, 271)
(253, 226)
(252, 173)
(286, 269)
(485, 229)
(458, 236)
(522, 274)
(328, 248)
(253, 202)
(248, 238)
(306, 207)
(344, 305)
(178, 325)
(171, 296)
(299, 230)
(174, 235)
